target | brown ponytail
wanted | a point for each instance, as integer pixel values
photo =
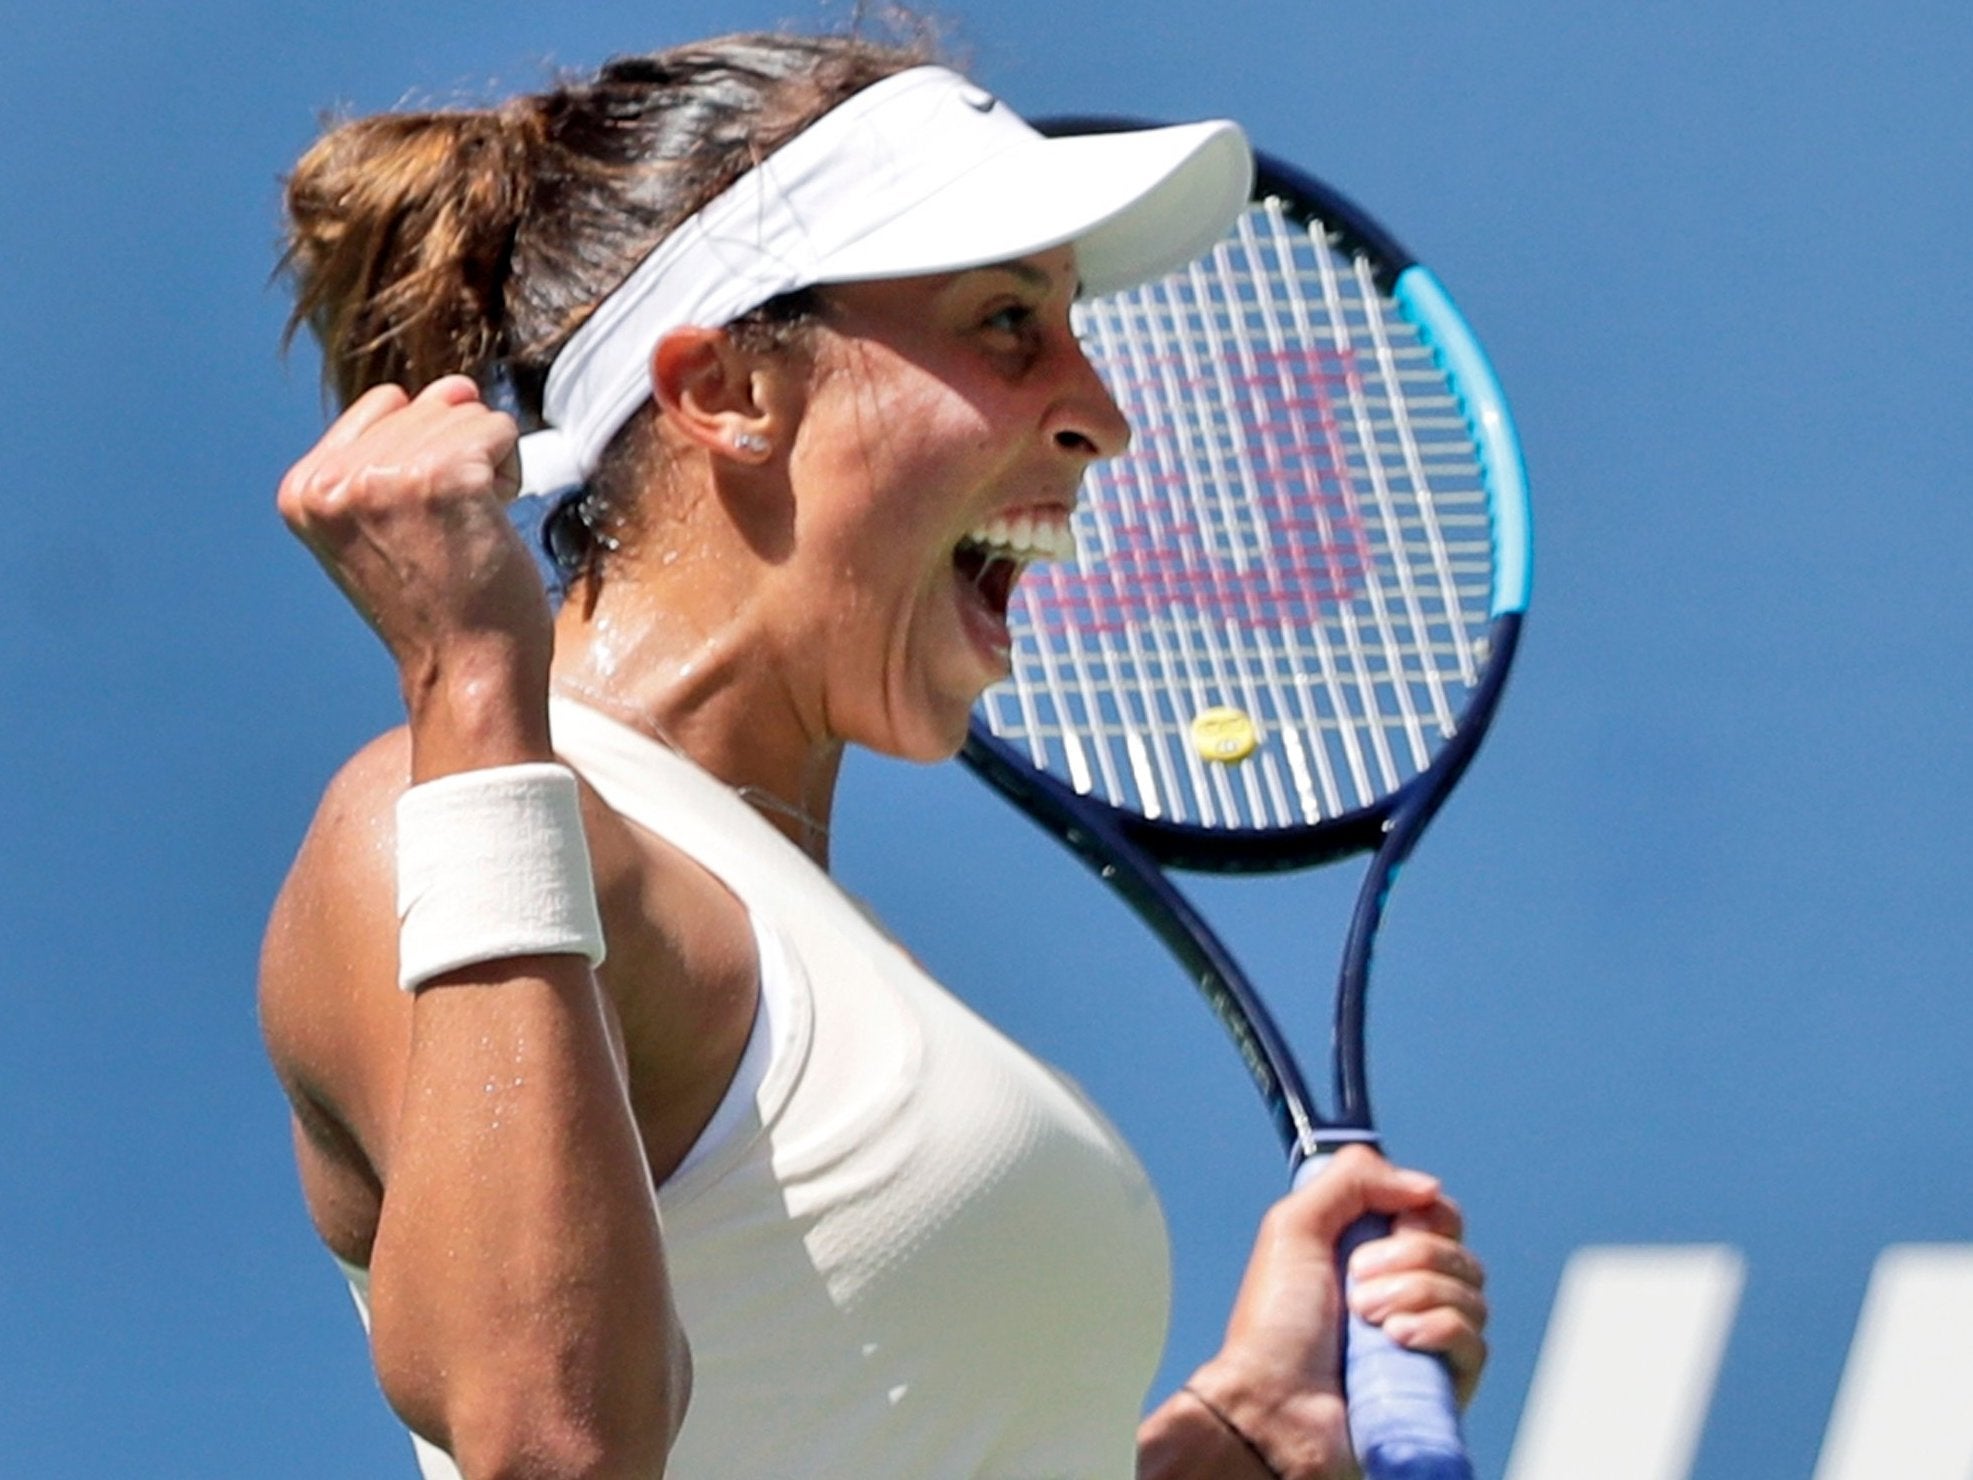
(478, 241)
(401, 241)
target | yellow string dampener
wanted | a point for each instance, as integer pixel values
(1224, 734)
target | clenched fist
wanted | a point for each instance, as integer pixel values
(404, 503)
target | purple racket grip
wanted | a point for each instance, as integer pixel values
(1404, 1419)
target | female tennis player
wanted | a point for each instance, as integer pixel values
(746, 1195)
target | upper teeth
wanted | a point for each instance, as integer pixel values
(1028, 536)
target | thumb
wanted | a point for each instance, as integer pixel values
(1355, 1181)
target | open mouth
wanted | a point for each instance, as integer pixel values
(990, 574)
(992, 556)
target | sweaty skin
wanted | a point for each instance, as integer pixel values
(489, 1147)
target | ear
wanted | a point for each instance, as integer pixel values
(716, 395)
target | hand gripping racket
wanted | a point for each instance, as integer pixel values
(1288, 623)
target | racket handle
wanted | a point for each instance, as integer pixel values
(1404, 1419)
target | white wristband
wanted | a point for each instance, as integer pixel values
(492, 864)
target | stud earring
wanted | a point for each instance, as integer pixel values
(749, 442)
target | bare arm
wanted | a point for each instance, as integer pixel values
(521, 1315)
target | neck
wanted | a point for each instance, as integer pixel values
(704, 690)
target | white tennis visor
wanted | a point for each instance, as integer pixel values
(921, 173)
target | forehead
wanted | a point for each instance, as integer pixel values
(1050, 274)
(1049, 271)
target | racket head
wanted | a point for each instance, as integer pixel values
(1296, 596)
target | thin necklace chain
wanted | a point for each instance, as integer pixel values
(758, 797)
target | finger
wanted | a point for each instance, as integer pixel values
(1415, 1250)
(1402, 1191)
(499, 439)
(467, 451)
(1419, 1293)
(373, 406)
(437, 449)
(1356, 1181)
(451, 390)
(1440, 1216)
(410, 419)
(1448, 1334)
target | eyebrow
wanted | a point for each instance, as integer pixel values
(1033, 276)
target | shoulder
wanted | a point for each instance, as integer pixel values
(343, 877)
(328, 962)
(332, 935)
(679, 977)
(335, 1022)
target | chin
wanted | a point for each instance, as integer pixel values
(928, 749)
(922, 716)
(929, 736)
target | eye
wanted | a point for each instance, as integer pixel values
(1016, 319)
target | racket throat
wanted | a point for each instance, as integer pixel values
(1327, 1140)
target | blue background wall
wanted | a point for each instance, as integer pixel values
(1686, 961)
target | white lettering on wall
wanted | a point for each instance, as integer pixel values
(1905, 1406)
(1626, 1370)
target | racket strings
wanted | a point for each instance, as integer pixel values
(1299, 535)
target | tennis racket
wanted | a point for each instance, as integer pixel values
(1292, 611)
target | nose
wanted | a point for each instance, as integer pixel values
(1085, 418)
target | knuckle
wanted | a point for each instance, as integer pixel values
(344, 495)
(1272, 1219)
(288, 499)
(1284, 1220)
(473, 478)
(375, 407)
(312, 492)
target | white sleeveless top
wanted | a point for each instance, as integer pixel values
(904, 1247)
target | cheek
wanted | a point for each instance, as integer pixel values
(886, 436)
